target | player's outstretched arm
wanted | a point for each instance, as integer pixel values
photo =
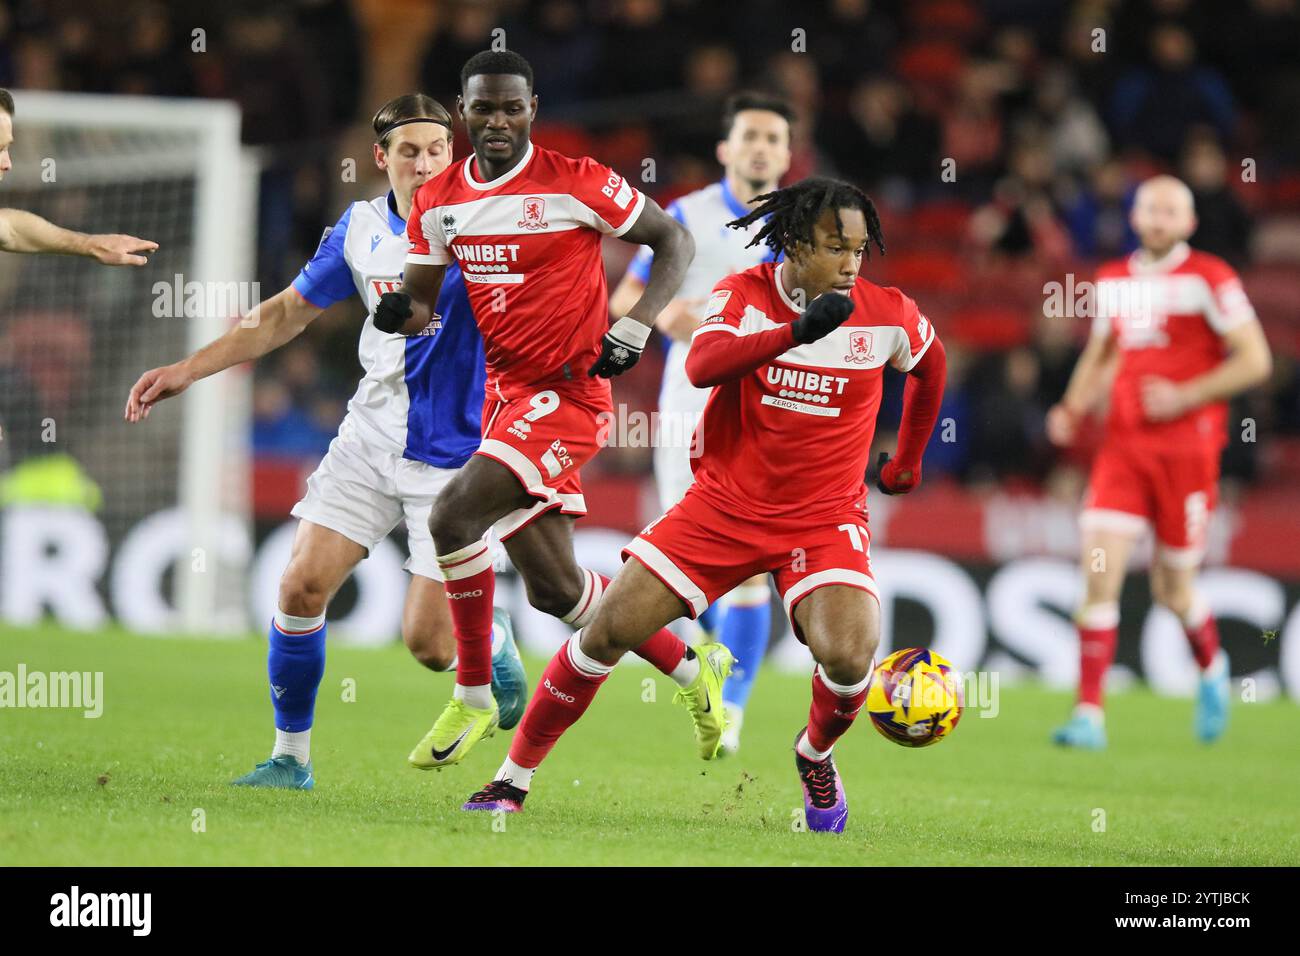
(410, 309)
(717, 356)
(1087, 387)
(1249, 362)
(673, 248)
(22, 231)
(922, 397)
(267, 326)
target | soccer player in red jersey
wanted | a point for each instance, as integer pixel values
(525, 225)
(1186, 340)
(795, 354)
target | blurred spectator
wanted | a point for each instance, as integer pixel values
(972, 129)
(1022, 218)
(1153, 105)
(1223, 225)
(563, 49)
(882, 142)
(1097, 211)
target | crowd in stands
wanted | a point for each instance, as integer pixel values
(1002, 139)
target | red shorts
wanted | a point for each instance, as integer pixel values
(544, 438)
(1132, 489)
(701, 553)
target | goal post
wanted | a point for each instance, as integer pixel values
(173, 171)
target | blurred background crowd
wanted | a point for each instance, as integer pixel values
(1002, 140)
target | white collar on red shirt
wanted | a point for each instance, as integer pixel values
(1170, 261)
(780, 288)
(502, 179)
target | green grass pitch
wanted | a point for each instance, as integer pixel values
(182, 717)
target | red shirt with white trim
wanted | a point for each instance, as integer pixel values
(528, 245)
(1169, 317)
(792, 437)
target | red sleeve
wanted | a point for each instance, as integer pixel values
(921, 400)
(605, 201)
(1228, 307)
(714, 359)
(426, 244)
(720, 349)
(917, 333)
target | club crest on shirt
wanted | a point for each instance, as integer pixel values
(860, 348)
(534, 214)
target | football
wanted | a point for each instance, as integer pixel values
(915, 698)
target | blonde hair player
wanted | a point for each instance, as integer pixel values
(413, 422)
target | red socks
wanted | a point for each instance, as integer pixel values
(1098, 634)
(834, 707)
(470, 585)
(566, 689)
(1202, 634)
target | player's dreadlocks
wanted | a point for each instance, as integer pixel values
(793, 211)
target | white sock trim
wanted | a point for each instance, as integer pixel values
(478, 696)
(846, 690)
(295, 626)
(687, 669)
(1091, 711)
(296, 744)
(467, 562)
(582, 613)
(521, 777)
(1098, 616)
(807, 751)
(587, 665)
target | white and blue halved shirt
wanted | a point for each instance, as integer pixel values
(719, 251)
(421, 396)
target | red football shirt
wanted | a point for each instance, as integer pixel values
(528, 245)
(792, 437)
(1169, 317)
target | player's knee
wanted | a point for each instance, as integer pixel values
(446, 523)
(428, 649)
(302, 593)
(847, 665)
(556, 598)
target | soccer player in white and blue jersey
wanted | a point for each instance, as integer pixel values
(413, 421)
(755, 153)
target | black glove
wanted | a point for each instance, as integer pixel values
(824, 315)
(393, 310)
(620, 349)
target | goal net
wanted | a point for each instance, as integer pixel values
(146, 524)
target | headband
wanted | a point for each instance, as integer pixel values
(414, 119)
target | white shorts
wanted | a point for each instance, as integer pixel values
(674, 448)
(362, 491)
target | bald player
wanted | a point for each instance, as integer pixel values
(1175, 329)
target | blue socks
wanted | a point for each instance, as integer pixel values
(709, 620)
(295, 665)
(745, 627)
